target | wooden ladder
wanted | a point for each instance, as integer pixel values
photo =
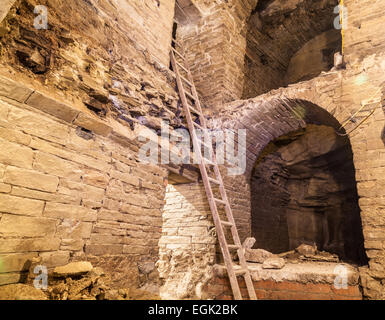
(194, 107)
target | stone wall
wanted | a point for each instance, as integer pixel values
(187, 245)
(111, 57)
(315, 56)
(215, 47)
(276, 32)
(72, 189)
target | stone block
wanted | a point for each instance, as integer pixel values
(96, 179)
(22, 206)
(20, 226)
(54, 259)
(31, 179)
(39, 125)
(93, 124)
(73, 229)
(135, 250)
(52, 107)
(125, 177)
(13, 90)
(102, 249)
(29, 245)
(15, 136)
(5, 188)
(51, 197)
(53, 165)
(257, 255)
(15, 155)
(65, 211)
(7, 278)
(15, 262)
(73, 269)
(71, 245)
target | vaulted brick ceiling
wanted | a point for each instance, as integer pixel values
(278, 29)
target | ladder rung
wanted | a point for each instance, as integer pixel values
(193, 109)
(179, 54)
(208, 161)
(185, 80)
(234, 246)
(181, 65)
(240, 271)
(190, 96)
(198, 126)
(220, 201)
(176, 42)
(226, 223)
(214, 180)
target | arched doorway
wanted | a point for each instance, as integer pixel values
(303, 190)
(302, 182)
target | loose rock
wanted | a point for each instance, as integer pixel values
(257, 255)
(274, 263)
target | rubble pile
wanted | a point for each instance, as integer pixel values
(269, 260)
(75, 281)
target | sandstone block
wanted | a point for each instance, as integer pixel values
(71, 245)
(101, 249)
(16, 262)
(38, 125)
(73, 269)
(16, 205)
(53, 259)
(257, 255)
(306, 249)
(34, 194)
(3, 111)
(96, 179)
(65, 211)
(29, 245)
(5, 188)
(31, 179)
(74, 229)
(51, 164)
(125, 177)
(92, 123)
(7, 278)
(20, 226)
(15, 136)
(21, 291)
(135, 249)
(13, 90)
(15, 155)
(52, 107)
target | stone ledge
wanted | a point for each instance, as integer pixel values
(309, 272)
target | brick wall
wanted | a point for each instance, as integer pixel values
(187, 245)
(215, 48)
(220, 289)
